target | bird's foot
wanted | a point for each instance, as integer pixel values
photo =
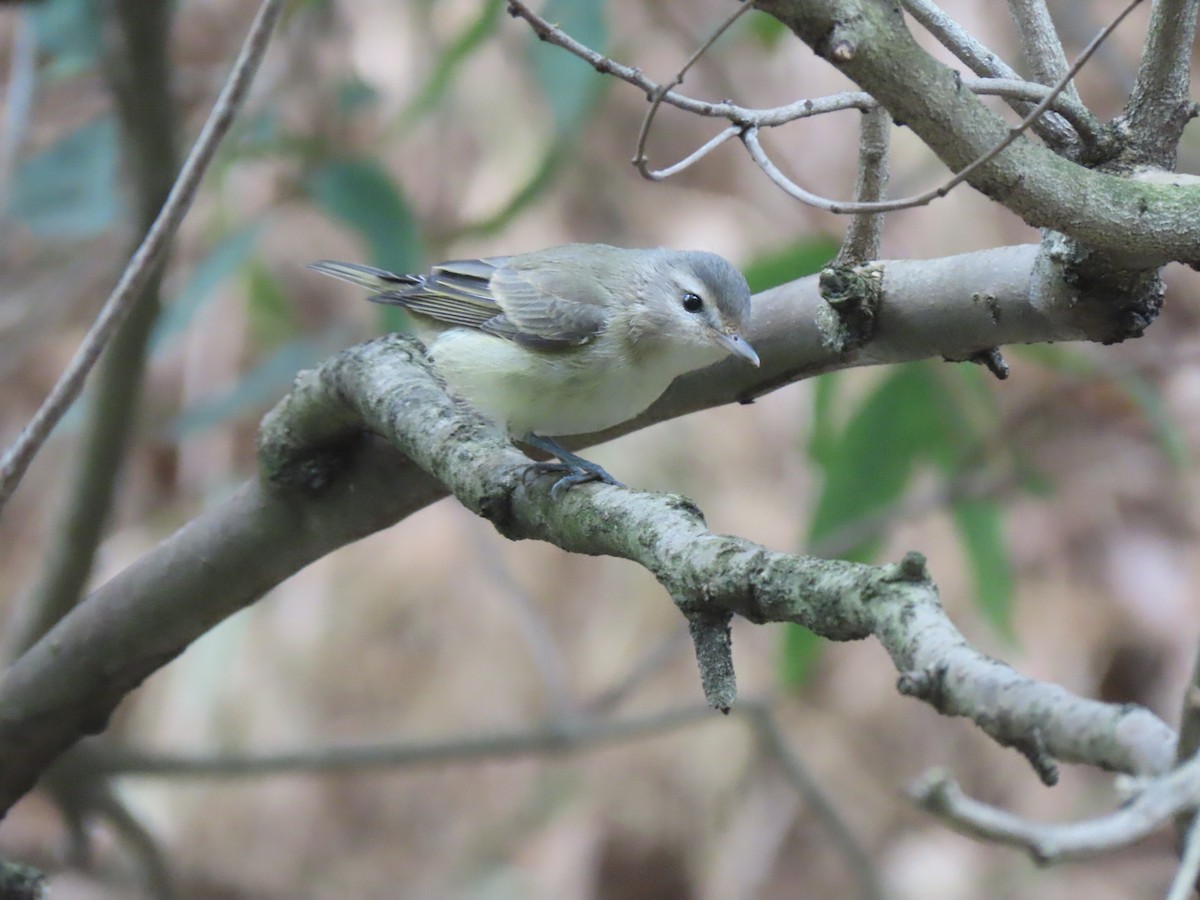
(574, 469)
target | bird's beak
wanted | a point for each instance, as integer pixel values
(736, 344)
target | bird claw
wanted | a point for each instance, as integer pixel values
(572, 474)
(575, 469)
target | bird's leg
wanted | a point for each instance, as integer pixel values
(575, 469)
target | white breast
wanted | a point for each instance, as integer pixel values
(559, 392)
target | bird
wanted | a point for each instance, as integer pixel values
(570, 339)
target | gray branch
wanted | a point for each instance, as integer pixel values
(338, 457)
(1155, 802)
(1040, 43)
(1160, 105)
(1136, 225)
(982, 61)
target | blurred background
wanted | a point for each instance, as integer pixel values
(1056, 508)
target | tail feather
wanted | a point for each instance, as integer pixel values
(377, 280)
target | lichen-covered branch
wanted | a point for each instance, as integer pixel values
(329, 482)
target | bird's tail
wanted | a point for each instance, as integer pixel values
(378, 281)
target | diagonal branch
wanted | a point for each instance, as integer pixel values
(142, 266)
(1039, 40)
(326, 483)
(982, 61)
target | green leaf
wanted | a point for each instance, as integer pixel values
(362, 195)
(822, 434)
(869, 467)
(451, 59)
(571, 86)
(69, 32)
(354, 94)
(766, 29)
(981, 528)
(69, 189)
(797, 260)
(225, 258)
(1149, 402)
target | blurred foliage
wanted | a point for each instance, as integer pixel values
(571, 88)
(452, 59)
(796, 260)
(68, 35)
(225, 259)
(1139, 390)
(917, 415)
(69, 190)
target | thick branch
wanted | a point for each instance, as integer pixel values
(1160, 105)
(331, 485)
(345, 487)
(1136, 224)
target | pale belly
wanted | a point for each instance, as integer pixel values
(574, 391)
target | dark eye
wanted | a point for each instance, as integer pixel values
(692, 302)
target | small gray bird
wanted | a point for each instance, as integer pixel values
(571, 339)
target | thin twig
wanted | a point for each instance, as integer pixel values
(775, 745)
(695, 156)
(982, 61)
(141, 266)
(547, 656)
(1183, 885)
(1012, 88)
(750, 139)
(1157, 801)
(656, 99)
(561, 735)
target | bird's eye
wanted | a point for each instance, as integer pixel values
(692, 302)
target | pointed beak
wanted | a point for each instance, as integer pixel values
(736, 344)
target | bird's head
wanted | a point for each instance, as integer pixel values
(699, 299)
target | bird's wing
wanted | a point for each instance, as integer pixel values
(528, 302)
(455, 293)
(548, 306)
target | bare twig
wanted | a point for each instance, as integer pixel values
(656, 99)
(863, 235)
(1183, 885)
(1012, 88)
(136, 41)
(547, 656)
(1039, 41)
(1156, 802)
(750, 139)
(982, 61)
(775, 745)
(17, 458)
(561, 735)
(18, 96)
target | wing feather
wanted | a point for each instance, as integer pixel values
(550, 299)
